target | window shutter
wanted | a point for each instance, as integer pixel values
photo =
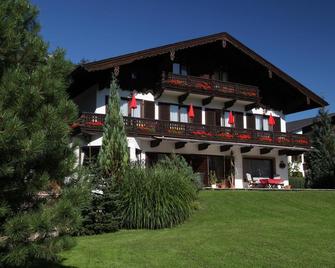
(238, 120)
(218, 117)
(210, 117)
(277, 126)
(197, 115)
(149, 109)
(251, 121)
(164, 111)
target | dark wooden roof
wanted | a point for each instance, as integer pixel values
(305, 123)
(131, 57)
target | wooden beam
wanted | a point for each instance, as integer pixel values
(207, 101)
(224, 148)
(155, 143)
(179, 144)
(229, 104)
(251, 106)
(265, 150)
(159, 94)
(183, 97)
(246, 149)
(289, 152)
(203, 146)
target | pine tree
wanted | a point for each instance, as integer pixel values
(101, 216)
(114, 156)
(38, 210)
(321, 159)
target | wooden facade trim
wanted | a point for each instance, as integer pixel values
(222, 37)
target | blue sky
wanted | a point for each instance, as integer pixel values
(296, 36)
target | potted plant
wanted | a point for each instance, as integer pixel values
(212, 178)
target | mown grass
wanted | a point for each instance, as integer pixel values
(231, 229)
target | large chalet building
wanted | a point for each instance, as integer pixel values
(210, 99)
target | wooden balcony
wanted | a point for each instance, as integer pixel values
(210, 87)
(93, 123)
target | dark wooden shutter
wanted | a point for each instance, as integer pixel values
(238, 119)
(149, 109)
(251, 124)
(164, 111)
(277, 126)
(218, 117)
(197, 115)
(210, 117)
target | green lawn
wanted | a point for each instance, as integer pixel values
(233, 229)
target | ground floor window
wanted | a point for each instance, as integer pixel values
(258, 167)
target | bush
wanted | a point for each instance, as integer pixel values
(157, 197)
(297, 182)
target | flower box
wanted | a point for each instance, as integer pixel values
(283, 140)
(176, 82)
(146, 129)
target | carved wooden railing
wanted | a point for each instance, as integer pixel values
(210, 86)
(150, 127)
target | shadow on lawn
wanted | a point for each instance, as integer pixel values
(52, 265)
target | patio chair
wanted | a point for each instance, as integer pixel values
(250, 180)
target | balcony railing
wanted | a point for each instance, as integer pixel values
(149, 127)
(205, 86)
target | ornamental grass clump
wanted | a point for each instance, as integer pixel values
(157, 197)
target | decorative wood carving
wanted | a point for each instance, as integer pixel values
(265, 150)
(203, 146)
(224, 43)
(228, 104)
(179, 145)
(225, 148)
(246, 149)
(207, 101)
(183, 97)
(116, 71)
(172, 55)
(155, 143)
(251, 106)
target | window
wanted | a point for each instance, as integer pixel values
(179, 69)
(183, 114)
(266, 123)
(174, 113)
(226, 119)
(259, 122)
(124, 107)
(136, 112)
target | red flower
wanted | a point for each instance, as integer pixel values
(269, 139)
(203, 85)
(225, 135)
(283, 140)
(244, 136)
(175, 82)
(301, 141)
(201, 133)
(95, 123)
